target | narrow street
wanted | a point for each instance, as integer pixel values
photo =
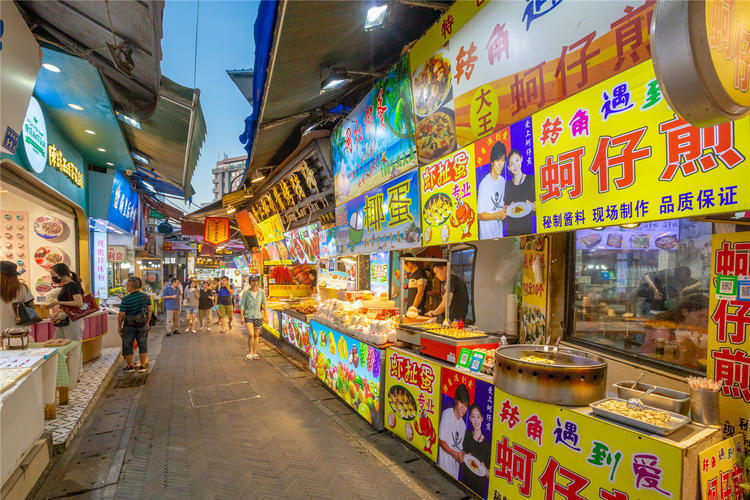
(206, 423)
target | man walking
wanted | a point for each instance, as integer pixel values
(171, 298)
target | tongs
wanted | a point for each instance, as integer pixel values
(635, 403)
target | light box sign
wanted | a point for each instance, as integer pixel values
(327, 243)
(123, 203)
(270, 230)
(100, 264)
(379, 273)
(514, 59)
(662, 235)
(651, 164)
(375, 142)
(386, 218)
(116, 253)
(302, 244)
(296, 332)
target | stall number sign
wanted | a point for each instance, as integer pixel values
(115, 254)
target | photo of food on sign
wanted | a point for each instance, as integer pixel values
(465, 433)
(47, 257)
(449, 203)
(49, 228)
(506, 198)
(303, 244)
(662, 235)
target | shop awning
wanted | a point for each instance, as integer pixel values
(168, 210)
(161, 185)
(171, 139)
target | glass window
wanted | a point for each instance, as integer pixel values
(462, 264)
(645, 290)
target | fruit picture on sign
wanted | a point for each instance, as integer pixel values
(49, 256)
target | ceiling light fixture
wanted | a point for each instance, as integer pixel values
(102, 150)
(51, 67)
(75, 106)
(631, 225)
(89, 131)
(230, 209)
(257, 177)
(110, 164)
(335, 78)
(127, 119)
(375, 16)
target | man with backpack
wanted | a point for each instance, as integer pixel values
(134, 323)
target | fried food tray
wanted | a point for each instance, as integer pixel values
(678, 421)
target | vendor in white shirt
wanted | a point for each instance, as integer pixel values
(452, 431)
(491, 194)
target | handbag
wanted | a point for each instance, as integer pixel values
(61, 322)
(89, 307)
(25, 315)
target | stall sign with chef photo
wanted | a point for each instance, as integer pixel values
(465, 433)
(412, 400)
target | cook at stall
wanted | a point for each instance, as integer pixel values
(457, 296)
(419, 285)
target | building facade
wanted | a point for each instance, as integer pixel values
(228, 175)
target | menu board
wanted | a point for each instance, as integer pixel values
(351, 369)
(534, 289)
(375, 142)
(15, 240)
(303, 244)
(412, 400)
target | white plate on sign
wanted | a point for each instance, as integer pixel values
(475, 465)
(518, 209)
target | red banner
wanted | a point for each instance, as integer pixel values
(216, 230)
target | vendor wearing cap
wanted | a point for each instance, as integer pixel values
(253, 314)
(458, 295)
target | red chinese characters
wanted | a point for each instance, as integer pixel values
(497, 45)
(551, 131)
(733, 261)
(412, 372)
(381, 109)
(738, 318)
(732, 367)
(686, 145)
(627, 158)
(581, 62)
(573, 483)
(465, 61)
(446, 28)
(510, 414)
(565, 173)
(629, 31)
(450, 169)
(515, 462)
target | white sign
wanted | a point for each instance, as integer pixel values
(100, 265)
(35, 136)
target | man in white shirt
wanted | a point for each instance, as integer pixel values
(452, 432)
(491, 195)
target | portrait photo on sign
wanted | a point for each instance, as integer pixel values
(506, 196)
(465, 433)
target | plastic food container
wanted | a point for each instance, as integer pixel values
(662, 398)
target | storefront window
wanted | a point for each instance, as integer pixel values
(462, 264)
(645, 290)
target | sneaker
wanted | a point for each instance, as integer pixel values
(195, 331)
(249, 357)
(129, 369)
(143, 368)
(137, 365)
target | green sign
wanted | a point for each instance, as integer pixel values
(464, 358)
(155, 214)
(477, 360)
(726, 287)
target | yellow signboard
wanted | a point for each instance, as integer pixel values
(449, 199)
(616, 153)
(412, 400)
(548, 451)
(728, 30)
(722, 470)
(270, 230)
(728, 357)
(289, 290)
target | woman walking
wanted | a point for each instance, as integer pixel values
(253, 314)
(71, 294)
(192, 301)
(133, 321)
(11, 290)
(205, 303)
(226, 309)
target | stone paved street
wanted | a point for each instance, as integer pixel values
(206, 423)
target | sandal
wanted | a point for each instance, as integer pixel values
(249, 357)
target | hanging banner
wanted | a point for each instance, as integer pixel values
(244, 223)
(466, 404)
(650, 165)
(216, 230)
(375, 142)
(722, 470)
(100, 264)
(449, 199)
(534, 291)
(728, 356)
(386, 218)
(542, 450)
(412, 400)
(515, 59)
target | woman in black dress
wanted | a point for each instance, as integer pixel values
(478, 446)
(519, 188)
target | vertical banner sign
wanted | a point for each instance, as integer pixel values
(616, 154)
(100, 265)
(534, 292)
(548, 451)
(375, 142)
(449, 199)
(412, 407)
(722, 470)
(385, 218)
(123, 203)
(728, 355)
(466, 404)
(216, 230)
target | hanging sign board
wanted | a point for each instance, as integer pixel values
(216, 230)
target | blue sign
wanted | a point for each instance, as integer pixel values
(123, 204)
(10, 141)
(385, 218)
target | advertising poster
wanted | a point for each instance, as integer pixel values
(386, 218)
(477, 76)
(548, 451)
(506, 201)
(375, 142)
(270, 230)
(296, 332)
(123, 203)
(722, 470)
(351, 369)
(728, 357)
(395, 293)
(466, 429)
(412, 400)
(647, 164)
(662, 235)
(534, 292)
(327, 243)
(302, 244)
(274, 323)
(449, 199)
(379, 273)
